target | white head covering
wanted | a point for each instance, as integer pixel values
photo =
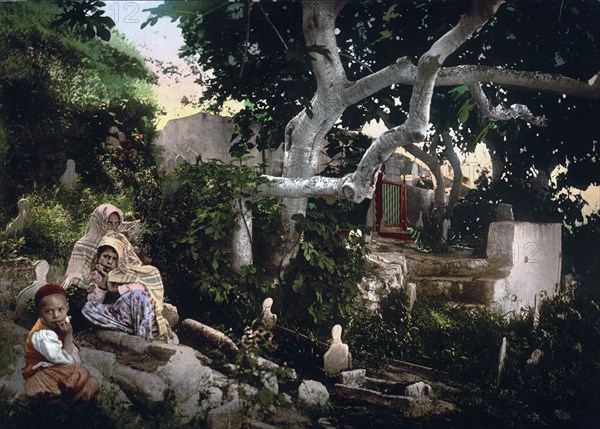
(84, 251)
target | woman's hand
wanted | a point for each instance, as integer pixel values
(101, 269)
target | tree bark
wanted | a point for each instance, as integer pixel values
(242, 235)
(457, 173)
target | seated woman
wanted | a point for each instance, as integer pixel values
(125, 295)
(104, 218)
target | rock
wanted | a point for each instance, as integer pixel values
(142, 388)
(235, 389)
(13, 383)
(354, 378)
(170, 313)
(269, 381)
(185, 375)
(227, 416)
(312, 394)
(214, 397)
(100, 363)
(418, 390)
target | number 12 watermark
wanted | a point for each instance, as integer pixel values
(127, 11)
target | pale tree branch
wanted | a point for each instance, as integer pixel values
(403, 72)
(500, 113)
(361, 184)
(457, 172)
(316, 186)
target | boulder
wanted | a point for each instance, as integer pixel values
(313, 394)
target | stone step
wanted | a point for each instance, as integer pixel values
(464, 290)
(428, 266)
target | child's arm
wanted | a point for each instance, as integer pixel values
(99, 292)
(46, 342)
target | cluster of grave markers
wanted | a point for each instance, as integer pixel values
(338, 357)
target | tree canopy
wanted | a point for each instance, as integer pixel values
(256, 51)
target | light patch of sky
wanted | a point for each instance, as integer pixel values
(160, 42)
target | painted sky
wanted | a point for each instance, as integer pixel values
(160, 42)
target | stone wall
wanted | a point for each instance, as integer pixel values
(183, 139)
(533, 253)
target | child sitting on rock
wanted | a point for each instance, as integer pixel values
(52, 364)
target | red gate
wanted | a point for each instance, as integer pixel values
(390, 209)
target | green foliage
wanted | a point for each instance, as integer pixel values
(430, 237)
(322, 281)
(87, 15)
(51, 232)
(10, 245)
(473, 214)
(77, 89)
(581, 247)
(377, 338)
(189, 231)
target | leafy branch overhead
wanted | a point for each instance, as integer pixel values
(86, 15)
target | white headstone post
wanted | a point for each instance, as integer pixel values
(267, 319)
(338, 358)
(21, 220)
(70, 175)
(23, 298)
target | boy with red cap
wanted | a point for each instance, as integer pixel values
(52, 364)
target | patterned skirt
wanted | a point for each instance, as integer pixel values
(133, 313)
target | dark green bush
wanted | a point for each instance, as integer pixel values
(189, 231)
(321, 285)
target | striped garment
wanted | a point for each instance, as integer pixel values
(84, 252)
(130, 269)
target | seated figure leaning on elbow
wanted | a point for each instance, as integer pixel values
(123, 294)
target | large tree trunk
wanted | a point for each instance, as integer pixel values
(306, 132)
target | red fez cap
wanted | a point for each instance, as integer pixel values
(49, 289)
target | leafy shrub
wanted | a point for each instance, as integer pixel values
(51, 231)
(77, 89)
(10, 245)
(377, 338)
(189, 232)
(322, 281)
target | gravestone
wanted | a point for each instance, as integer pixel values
(338, 358)
(501, 361)
(412, 295)
(266, 319)
(27, 294)
(504, 212)
(535, 358)
(70, 176)
(21, 220)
